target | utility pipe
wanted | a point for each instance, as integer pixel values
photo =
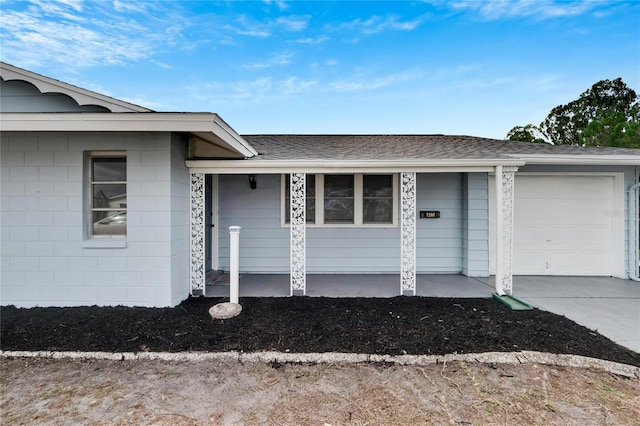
(632, 238)
(234, 260)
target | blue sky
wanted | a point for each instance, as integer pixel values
(454, 67)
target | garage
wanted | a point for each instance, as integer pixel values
(565, 224)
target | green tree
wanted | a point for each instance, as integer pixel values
(528, 133)
(608, 114)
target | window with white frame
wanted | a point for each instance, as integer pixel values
(347, 199)
(107, 194)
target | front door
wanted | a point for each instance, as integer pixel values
(211, 222)
(208, 222)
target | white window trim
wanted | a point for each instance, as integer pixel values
(358, 203)
(91, 240)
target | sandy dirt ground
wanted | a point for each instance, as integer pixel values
(104, 392)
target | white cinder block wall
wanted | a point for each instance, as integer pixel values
(45, 258)
(179, 220)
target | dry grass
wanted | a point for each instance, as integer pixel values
(199, 393)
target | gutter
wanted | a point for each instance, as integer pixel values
(631, 159)
(352, 166)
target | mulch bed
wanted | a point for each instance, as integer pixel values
(395, 326)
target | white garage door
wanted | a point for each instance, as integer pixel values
(564, 225)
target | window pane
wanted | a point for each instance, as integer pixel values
(377, 206)
(109, 169)
(311, 186)
(338, 210)
(109, 223)
(112, 196)
(338, 198)
(311, 210)
(377, 185)
(377, 211)
(338, 186)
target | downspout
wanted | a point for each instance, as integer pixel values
(632, 196)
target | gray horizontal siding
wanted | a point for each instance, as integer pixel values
(439, 241)
(264, 243)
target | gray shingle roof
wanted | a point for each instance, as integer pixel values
(408, 147)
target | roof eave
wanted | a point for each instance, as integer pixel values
(353, 166)
(594, 160)
(205, 125)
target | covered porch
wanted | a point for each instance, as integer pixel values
(351, 285)
(409, 279)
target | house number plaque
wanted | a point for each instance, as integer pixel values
(429, 214)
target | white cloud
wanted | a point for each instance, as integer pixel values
(312, 40)
(365, 83)
(281, 5)
(84, 34)
(542, 9)
(280, 59)
(257, 91)
(247, 26)
(294, 85)
(377, 24)
(293, 23)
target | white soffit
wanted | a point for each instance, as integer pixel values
(208, 126)
(81, 96)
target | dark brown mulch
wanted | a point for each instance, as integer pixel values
(400, 325)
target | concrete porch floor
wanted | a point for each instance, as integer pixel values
(610, 306)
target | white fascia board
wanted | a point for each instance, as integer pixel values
(365, 166)
(205, 125)
(595, 160)
(232, 138)
(80, 95)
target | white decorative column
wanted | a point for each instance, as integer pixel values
(234, 263)
(298, 221)
(196, 235)
(408, 233)
(504, 229)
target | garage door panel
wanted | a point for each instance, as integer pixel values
(546, 262)
(532, 262)
(563, 225)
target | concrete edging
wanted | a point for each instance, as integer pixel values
(522, 357)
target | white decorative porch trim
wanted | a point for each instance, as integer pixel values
(408, 233)
(504, 228)
(196, 234)
(298, 222)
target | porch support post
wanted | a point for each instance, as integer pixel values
(408, 233)
(504, 229)
(196, 234)
(234, 264)
(298, 222)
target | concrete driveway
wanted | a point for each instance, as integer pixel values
(610, 306)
